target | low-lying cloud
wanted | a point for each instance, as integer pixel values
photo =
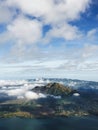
(19, 91)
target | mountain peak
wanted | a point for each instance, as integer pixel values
(55, 89)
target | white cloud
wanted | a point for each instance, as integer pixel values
(57, 13)
(21, 91)
(5, 37)
(90, 51)
(91, 33)
(6, 15)
(65, 31)
(33, 95)
(51, 11)
(25, 30)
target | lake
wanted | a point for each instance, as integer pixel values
(71, 123)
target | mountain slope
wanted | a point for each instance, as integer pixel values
(55, 89)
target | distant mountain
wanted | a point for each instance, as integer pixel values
(55, 89)
(75, 84)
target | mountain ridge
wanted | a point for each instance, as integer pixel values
(55, 89)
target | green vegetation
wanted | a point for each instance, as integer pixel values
(38, 109)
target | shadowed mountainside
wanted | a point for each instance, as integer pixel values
(55, 89)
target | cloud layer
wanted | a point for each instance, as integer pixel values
(25, 25)
(19, 89)
(44, 36)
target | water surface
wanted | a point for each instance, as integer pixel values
(74, 123)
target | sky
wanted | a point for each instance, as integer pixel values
(49, 38)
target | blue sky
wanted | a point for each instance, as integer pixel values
(49, 38)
